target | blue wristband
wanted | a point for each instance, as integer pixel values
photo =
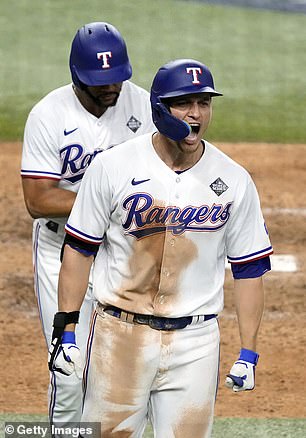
(249, 356)
(68, 338)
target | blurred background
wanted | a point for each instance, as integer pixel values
(256, 50)
(257, 56)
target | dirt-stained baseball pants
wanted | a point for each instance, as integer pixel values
(135, 372)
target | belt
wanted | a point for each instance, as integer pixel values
(157, 322)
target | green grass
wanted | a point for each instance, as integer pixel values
(223, 427)
(259, 428)
(258, 58)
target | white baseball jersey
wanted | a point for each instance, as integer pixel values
(166, 234)
(61, 137)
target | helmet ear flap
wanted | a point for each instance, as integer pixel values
(163, 120)
(75, 78)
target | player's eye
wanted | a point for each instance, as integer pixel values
(204, 102)
(180, 104)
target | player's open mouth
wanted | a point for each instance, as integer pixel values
(195, 127)
(193, 136)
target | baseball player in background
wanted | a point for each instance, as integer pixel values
(63, 134)
(168, 208)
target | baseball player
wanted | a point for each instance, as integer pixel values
(168, 208)
(64, 132)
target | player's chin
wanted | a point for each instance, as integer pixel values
(193, 139)
(108, 100)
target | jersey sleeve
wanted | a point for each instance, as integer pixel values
(40, 157)
(90, 215)
(247, 237)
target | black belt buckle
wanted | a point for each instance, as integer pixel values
(155, 322)
(169, 323)
(141, 319)
(159, 323)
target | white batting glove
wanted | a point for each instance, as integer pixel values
(242, 373)
(69, 358)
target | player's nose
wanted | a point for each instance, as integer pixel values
(194, 110)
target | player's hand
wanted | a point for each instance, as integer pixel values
(65, 356)
(242, 373)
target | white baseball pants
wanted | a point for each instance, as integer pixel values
(65, 392)
(135, 373)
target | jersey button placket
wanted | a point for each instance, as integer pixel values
(167, 279)
(161, 299)
(177, 180)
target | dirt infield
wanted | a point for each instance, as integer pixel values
(279, 173)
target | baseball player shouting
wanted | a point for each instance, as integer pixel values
(63, 133)
(168, 208)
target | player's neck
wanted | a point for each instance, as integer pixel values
(174, 155)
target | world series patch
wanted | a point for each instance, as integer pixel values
(218, 186)
(133, 124)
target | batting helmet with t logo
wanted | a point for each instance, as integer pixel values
(99, 56)
(178, 78)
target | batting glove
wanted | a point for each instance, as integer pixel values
(242, 374)
(67, 359)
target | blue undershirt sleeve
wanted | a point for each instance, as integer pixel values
(252, 269)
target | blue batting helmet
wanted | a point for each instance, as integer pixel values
(99, 56)
(177, 78)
